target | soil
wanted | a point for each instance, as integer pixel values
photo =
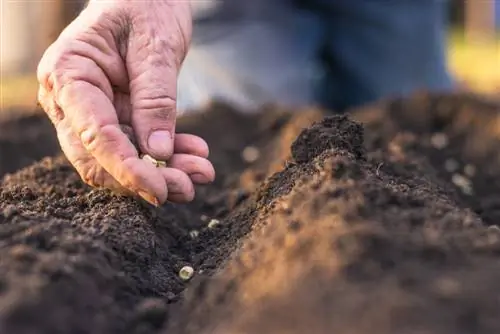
(24, 139)
(382, 221)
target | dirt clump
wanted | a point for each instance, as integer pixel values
(342, 224)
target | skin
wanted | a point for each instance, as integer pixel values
(108, 84)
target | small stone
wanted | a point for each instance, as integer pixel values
(186, 273)
(204, 218)
(463, 183)
(194, 234)
(213, 223)
(250, 154)
(451, 165)
(439, 140)
(470, 170)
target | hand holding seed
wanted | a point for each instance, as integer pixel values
(116, 66)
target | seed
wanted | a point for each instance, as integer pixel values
(213, 223)
(439, 140)
(463, 183)
(250, 154)
(186, 273)
(451, 165)
(156, 163)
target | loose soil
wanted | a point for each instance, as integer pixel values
(379, 221)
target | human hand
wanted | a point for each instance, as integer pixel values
(114, 67)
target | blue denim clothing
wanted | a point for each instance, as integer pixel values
(334, 53)
(497, 15)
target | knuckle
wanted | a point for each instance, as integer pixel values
(65, 87)
(128, 177)
(89, 138)
(43, 98)
(55, 114)
(55, 73)
(88, 171)
(157, 105)
(48, 105)
(92, 136)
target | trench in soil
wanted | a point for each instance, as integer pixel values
(382, 220)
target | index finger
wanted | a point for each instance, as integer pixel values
(94, 120)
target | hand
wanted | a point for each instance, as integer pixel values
(114, 67)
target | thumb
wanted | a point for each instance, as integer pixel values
(153, 68)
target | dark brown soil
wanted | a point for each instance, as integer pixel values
(355, 224)
(25, 139)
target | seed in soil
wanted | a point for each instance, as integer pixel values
(463, 183)
(186, 273)
(250, 154)
(439, 140)
(213, 223)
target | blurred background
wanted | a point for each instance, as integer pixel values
(29, 26)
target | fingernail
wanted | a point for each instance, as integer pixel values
(199, 178)
(149, 198)
(160, 143)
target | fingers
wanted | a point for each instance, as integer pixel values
(80, 75)
(191, 144)
(89, 170)
(153, 62)
(94, 121)
(200, 170)
(47, 103)
(180, 186)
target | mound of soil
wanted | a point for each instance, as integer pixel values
(381, 221)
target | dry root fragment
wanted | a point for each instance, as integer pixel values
(194, 234)
(439, 140)
(213, 223)
(250, 154)
(186, 273)
(451, 165)
(463, 183)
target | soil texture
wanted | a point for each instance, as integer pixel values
(382, 220)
